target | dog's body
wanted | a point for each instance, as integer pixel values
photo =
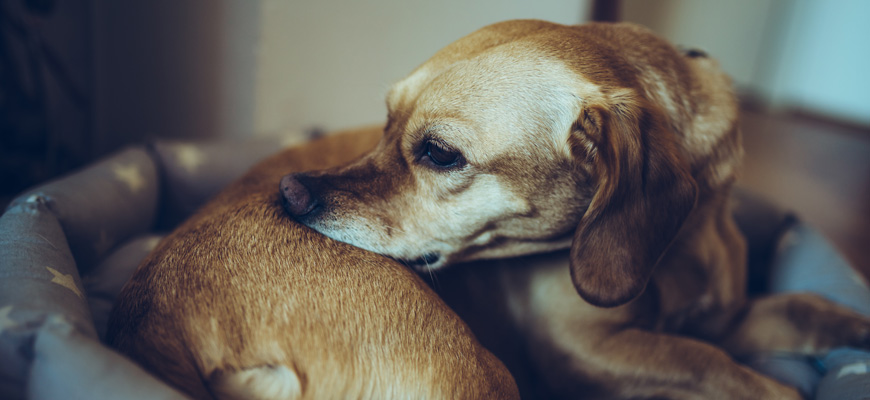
(527, 137)
(241, 302)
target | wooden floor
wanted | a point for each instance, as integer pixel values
(819, 170)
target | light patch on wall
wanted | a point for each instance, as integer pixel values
(329, 64)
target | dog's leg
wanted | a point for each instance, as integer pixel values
(801, 323)
(589, 352)
(634, 363)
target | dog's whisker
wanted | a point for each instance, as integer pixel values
(432, 277)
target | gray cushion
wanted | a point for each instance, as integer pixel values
(70, 365)
(105, 282)
(103, 204)
(38, 279)
(96, 222)
(99, 222)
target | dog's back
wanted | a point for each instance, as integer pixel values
(242, 302)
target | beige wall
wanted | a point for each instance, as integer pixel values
(732, 31)
(235, 68)
(157, 70)
(329, 63)
(791, 54)
(238, 68)
(821, 58)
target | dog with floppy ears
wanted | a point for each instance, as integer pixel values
(528, 137)
(241, 302)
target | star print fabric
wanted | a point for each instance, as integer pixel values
(38, 278)
(52, 235)
(102, 205)
(68, 246)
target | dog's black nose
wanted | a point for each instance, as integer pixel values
(298, 200)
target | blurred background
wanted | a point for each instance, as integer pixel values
(82, 78)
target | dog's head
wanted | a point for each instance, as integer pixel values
(523, 137)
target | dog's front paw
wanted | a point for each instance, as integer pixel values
(829, 325)
(849, 331)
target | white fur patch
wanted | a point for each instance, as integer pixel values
(264, 383)
(661, 94)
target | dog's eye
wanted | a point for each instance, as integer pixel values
(440, 155)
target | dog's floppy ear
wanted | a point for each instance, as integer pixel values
(644, 194)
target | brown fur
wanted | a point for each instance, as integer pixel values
(242, 302)
(605, 139)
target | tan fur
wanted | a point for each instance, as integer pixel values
(242, 302)
(602, 138)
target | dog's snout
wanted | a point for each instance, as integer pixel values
(298, 200)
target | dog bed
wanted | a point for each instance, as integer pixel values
(68, 246)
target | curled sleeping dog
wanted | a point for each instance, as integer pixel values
(241, 302)
(527, 137)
